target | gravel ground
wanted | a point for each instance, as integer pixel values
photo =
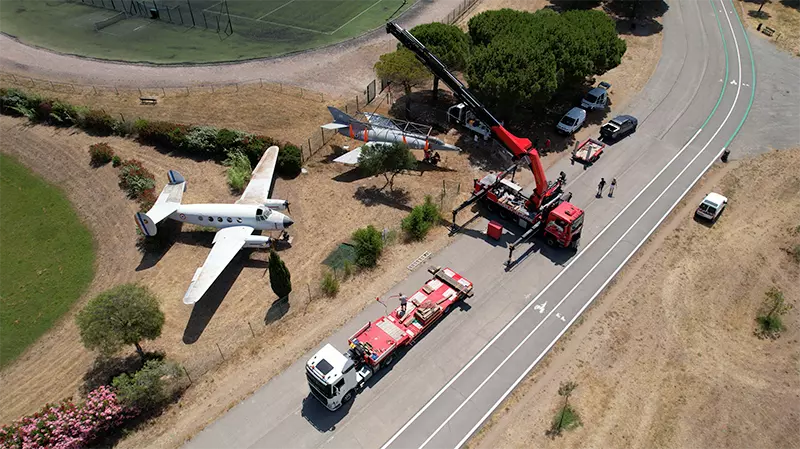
(341, 69)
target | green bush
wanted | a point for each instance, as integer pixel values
(279, 277)
(290, 161)
(239, 170)
(116, 161)
(329, 284)
(369, 245)
(16, 102)
(228, 140)
(63, 114)
(164, 134)
(98, 122)
(348, 268)
(100, 154)
(150, 387)
(421, 219)
(201, 139)
(135, 179)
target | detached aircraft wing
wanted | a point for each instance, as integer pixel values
(257, 191)
(227, 243)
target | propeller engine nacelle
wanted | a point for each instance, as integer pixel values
(277, 204)
(257, 241)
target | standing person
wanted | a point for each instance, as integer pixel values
(403, 303)
(547, 145)
(611, 187)
(600, 187)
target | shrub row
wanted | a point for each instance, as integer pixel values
(204, 141)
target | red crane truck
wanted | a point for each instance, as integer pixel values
(546, 208)
(335, 377)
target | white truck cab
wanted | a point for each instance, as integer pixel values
(334, 377)
(597, 98)
(461, 114)
(711, 207)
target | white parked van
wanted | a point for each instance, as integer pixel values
(572, 121)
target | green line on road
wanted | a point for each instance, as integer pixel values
(725, 50)
(752, 87)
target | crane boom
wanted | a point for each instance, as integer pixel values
(519, 147)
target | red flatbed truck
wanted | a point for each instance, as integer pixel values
(335, 377)
(588, 152)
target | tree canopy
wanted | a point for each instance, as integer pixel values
(386, 160)
(447, 42)
(402, 68)
(522, 59)
(124, 315)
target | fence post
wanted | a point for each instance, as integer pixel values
(163, 91)
(72, 86)
(357, 107)
(187, 375)
(237, 87)
(280, 87)
(140, 91)
(309, 147)
(94, 89)
(220, 352)
(261, 81)
(116, 90)
(187, 91)
(301, 92)
(14, 77)
(212, 88)
(251, 329)
(122, 116)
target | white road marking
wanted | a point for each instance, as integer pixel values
(733, 82)
(540, 307)
(641, 242)
(558, 276)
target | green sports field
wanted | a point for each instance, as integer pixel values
(192, 30)
(46, 258)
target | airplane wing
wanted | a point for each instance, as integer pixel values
(257, 191)
(227, 243)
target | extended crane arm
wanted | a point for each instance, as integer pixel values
(519, 147)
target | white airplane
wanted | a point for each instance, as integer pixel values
(254, 210)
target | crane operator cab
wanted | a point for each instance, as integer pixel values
(564, 226)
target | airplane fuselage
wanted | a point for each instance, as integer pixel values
(227, 215)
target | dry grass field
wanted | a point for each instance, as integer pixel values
(781, 15)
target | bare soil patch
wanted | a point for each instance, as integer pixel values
(781, 15)
(667, 357)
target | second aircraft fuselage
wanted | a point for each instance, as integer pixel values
(227, 215)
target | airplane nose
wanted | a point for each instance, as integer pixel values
(287, 222)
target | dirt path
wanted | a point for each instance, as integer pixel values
(673, 362)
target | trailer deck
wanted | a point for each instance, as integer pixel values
(589, 151)
(379, 338)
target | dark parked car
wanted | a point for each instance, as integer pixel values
(621, 125)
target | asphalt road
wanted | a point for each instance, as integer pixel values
(440, 391)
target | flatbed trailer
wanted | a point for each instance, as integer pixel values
(588, 152)
(334, 377)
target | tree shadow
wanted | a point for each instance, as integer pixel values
(207, 306)
(566, 5)
(277, 310)
(373, 196)
(763, 15)
(105, 369)
(636, 17)
(791, 4)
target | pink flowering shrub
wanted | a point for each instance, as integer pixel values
(66, 425)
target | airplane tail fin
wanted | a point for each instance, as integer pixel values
(146, 224)
(341, 117)
(168, 202)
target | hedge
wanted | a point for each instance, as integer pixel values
(203, 141)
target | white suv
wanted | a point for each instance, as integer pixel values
(711, 207)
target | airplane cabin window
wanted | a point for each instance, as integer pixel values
(210, 218)
(200, 218)
(230, 220)
(259, 211)
(238, 220)
(219, 219)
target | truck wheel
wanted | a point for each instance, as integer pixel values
(551, 241)
(347, 397)
(388, 361)
(574, 244)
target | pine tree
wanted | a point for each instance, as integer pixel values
(279, 277)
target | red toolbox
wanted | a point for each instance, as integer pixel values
(495, 230)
